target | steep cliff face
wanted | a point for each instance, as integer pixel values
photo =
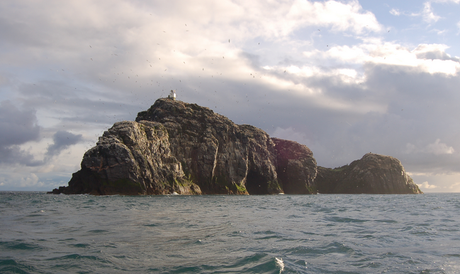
(131, 158)
(188, 149)
(372, 174)
(296, 167)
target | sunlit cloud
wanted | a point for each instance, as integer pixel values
(340, 16)
(428, 58)
(426, 185)
(436, 148)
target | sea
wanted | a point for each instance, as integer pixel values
(45, 233)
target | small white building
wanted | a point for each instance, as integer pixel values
(172, 94)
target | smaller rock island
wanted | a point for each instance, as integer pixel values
(177, 147)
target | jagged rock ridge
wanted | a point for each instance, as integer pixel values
(189, 149)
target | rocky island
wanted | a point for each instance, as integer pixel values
(177, 147)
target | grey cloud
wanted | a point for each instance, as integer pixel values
(433, 52)
(62, 140)
(14, 155)
(16, 31)
(416, 95)
(78, 104)
(17, 127)
(437, 54)
(34, 25)
(253, 59)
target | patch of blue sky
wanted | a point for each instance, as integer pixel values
(415, 22)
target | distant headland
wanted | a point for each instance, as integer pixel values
(177, 147)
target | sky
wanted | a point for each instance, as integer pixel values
(342, 77)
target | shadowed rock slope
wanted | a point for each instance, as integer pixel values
(189, 149)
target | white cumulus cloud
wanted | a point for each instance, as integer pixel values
(426, 185)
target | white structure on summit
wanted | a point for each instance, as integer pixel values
(172, 94)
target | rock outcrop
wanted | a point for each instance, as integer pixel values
(296, 167)
(372, 174)
(131, 158)
(189, 149)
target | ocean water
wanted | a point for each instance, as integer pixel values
(42, 233)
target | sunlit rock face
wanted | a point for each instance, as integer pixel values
(372, 174)
(176, 147)
(131, 158)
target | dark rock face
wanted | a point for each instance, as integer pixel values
(189, 149)
(372, 174)
(296, 167)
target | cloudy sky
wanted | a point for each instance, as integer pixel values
(342, 77)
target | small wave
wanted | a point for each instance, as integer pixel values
(20, 245)
(335, 248)
(80, 245)
(346, 220)
(256, 263)
(280, 264)
(268, 234)
(387, 221)
(98, 231)
(151, 225)
(79, 263)
(76, 256)
(12, 266)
